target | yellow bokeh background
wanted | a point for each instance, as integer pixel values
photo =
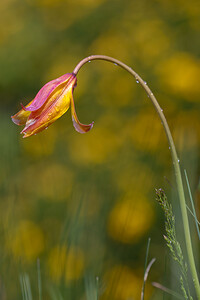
(130, 218)
(84, 205)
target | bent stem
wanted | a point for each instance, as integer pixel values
(175, 159)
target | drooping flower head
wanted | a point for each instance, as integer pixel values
(50, 103)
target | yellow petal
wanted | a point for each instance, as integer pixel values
(21, 117)
(55, 107)
(81, 128)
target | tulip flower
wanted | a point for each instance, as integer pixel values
(50, 103)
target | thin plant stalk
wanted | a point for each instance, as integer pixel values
(145, 268)
(166, 290)
(175, 159)
(192, 204)
(39, 280)
(146, 275)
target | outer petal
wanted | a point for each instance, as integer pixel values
(56, 105)
(46, 91)
(21, 117)
(81, 128)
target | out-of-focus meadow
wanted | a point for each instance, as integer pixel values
(84, 205)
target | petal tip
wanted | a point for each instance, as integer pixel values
(82, 128)
(15, 120)
(23, 107)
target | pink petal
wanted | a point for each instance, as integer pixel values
(45, 91)
(57, 104)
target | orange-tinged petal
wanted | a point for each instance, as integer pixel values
(56, 105)
(46, 91)
(21, 117)
(81, 128)
(50, 103)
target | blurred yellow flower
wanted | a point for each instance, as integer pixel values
(186, 131)
(151, 40)
(130, 218)
(52, 182)
(95, 148)
(111, 43)
(65, 262)
(115, 96)
(123, 283)
(61, 14)
(137, 175)
(180, 74)
(74, 264)
(26, 242)
(147, 134)
(55, 182)
(82, 3)
(56, 262)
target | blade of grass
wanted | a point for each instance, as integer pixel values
(145, 268)
(192, 214)
(145, 265)
(92, 288)
(22, 287)
(26, 287)
(146, 275)
(39, 280)
(166, 290)
(54, 294)
(97, 288)
(192, 203)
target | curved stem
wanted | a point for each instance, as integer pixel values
(174, 159)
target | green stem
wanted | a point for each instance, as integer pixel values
(174, 158)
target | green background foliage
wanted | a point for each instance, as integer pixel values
(85, 204)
